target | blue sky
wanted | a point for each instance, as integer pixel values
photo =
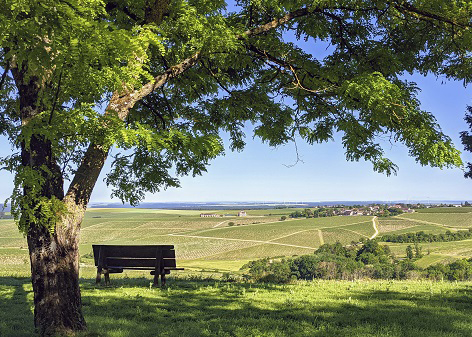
(260, 173)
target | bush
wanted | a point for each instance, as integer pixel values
(278, 272)
(333, 261)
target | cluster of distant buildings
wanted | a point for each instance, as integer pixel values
(214, 215)
(371, 210)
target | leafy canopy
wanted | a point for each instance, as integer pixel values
(248, 66)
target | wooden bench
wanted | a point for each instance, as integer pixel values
(159, 259)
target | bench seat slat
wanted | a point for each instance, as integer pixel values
(138, 262)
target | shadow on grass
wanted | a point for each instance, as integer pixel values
(212, 308)
(16, 300)
(206, 308)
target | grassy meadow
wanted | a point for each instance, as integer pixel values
(197, 307)
(202, 300)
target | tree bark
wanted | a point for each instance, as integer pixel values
(55, 279)
(54, 254)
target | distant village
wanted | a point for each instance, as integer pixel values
(380, 210)
(356, 210)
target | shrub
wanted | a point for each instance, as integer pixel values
(333, 261)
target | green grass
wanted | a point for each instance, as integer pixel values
(445, 210)
(394, 224)
(420, 227)
(213, 308)
(451, 220)
(365, 229)
(212, 239)
(431, 259)
(307, 238)
(198, 303)
(449, 251)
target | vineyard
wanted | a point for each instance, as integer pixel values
(230, 238)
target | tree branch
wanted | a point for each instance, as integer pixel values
(155, 112)
(277, 22)
(87, 174)
(4, 75)
(55, 98)
(404, 6)
(290, 67)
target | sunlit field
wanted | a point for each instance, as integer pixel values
(233, 240)
(260, 234)
(199, 307)
(203, 300)
(449, 220)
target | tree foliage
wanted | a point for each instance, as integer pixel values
(332, 261)
(84, 52)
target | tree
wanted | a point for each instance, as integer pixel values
(418, 251)
(409, 252)
(159, 79)
(308, 213)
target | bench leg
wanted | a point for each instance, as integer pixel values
(98, 279)
(107, 277)
(156, 280)
(163, 280)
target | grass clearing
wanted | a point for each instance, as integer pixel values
(198, 303)
(259, 251)
(213, 308)
(308, 238)
(393, 224)
(364, 229)
(420, 227)
(449, 250)
(452, 220)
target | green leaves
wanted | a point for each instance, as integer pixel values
(154, 156)
(75, 55)
(34, 208)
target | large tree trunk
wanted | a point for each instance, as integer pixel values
(54, 252)
(55, 277)
(52, 242)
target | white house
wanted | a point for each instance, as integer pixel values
(242, 213)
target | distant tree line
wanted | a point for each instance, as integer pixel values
(371, 260)
(460, 270)
(315, 213)
(427, 237)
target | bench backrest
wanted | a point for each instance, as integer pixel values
(134, 256)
